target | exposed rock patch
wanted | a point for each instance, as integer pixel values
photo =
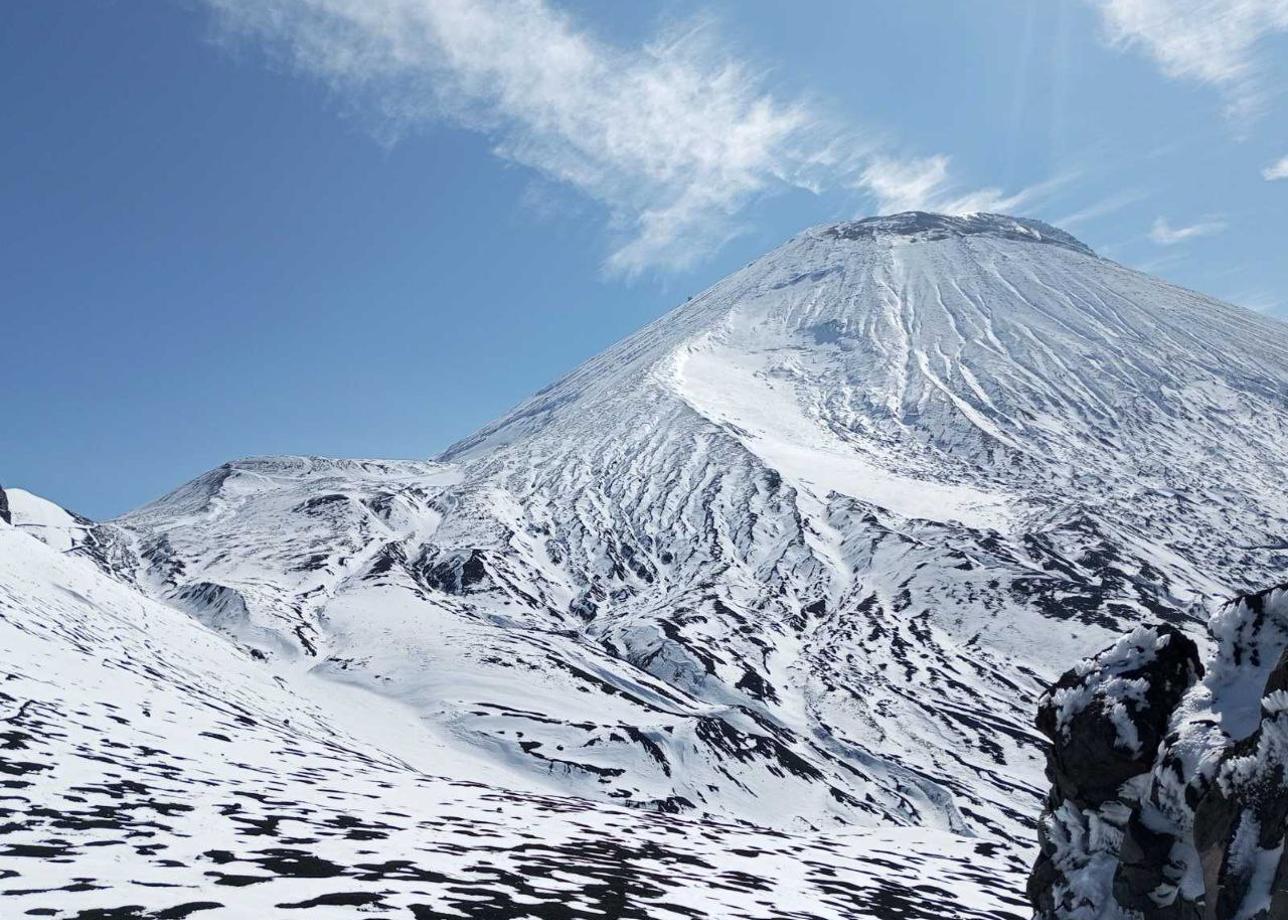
(924, 226)
(1169, 795)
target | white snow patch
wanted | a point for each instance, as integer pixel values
(754, 396)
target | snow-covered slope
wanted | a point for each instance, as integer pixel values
(153, 770)
(802, 553)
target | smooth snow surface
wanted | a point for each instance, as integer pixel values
(49, 523)
(755, 398)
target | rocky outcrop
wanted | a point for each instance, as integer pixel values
(1105, 720)
(1169, 796)
(924, 226)
(4, 508)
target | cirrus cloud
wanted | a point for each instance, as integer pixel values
(1164, 234)
(1217, 42)
(674, 137)
(924, 184)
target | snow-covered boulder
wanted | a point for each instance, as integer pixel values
(1197, 825)
(1105, 719)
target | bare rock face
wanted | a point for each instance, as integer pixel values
(4, 508)
(1169, 795)
(1240, 825)
(1105, 719)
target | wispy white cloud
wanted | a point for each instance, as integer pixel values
(1102, 208)
(925, 184)
(1164, 234)
(673, 137)
(1276, 170)
(1217, 42)
(904, 185)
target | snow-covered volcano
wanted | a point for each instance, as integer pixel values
(801, 553)
(795, 552)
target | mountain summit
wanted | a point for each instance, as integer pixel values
(802, 553)
(924, 226)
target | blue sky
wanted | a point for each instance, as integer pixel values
(366, 227)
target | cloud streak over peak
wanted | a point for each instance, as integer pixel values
(1164, 234)
(673, 138)
(925, 184)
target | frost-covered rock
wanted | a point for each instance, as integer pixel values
(1106, 717)
(1241, 823)
(1196, 830)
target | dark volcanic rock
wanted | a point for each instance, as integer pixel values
(1144, 868)
(1106, 717)
(457, 574)
(1170, 797)
(1278, 679)
(925, 226)
(1241, 825)
(4, 508)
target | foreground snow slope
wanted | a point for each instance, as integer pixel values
(800, 553)
(151, 768)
